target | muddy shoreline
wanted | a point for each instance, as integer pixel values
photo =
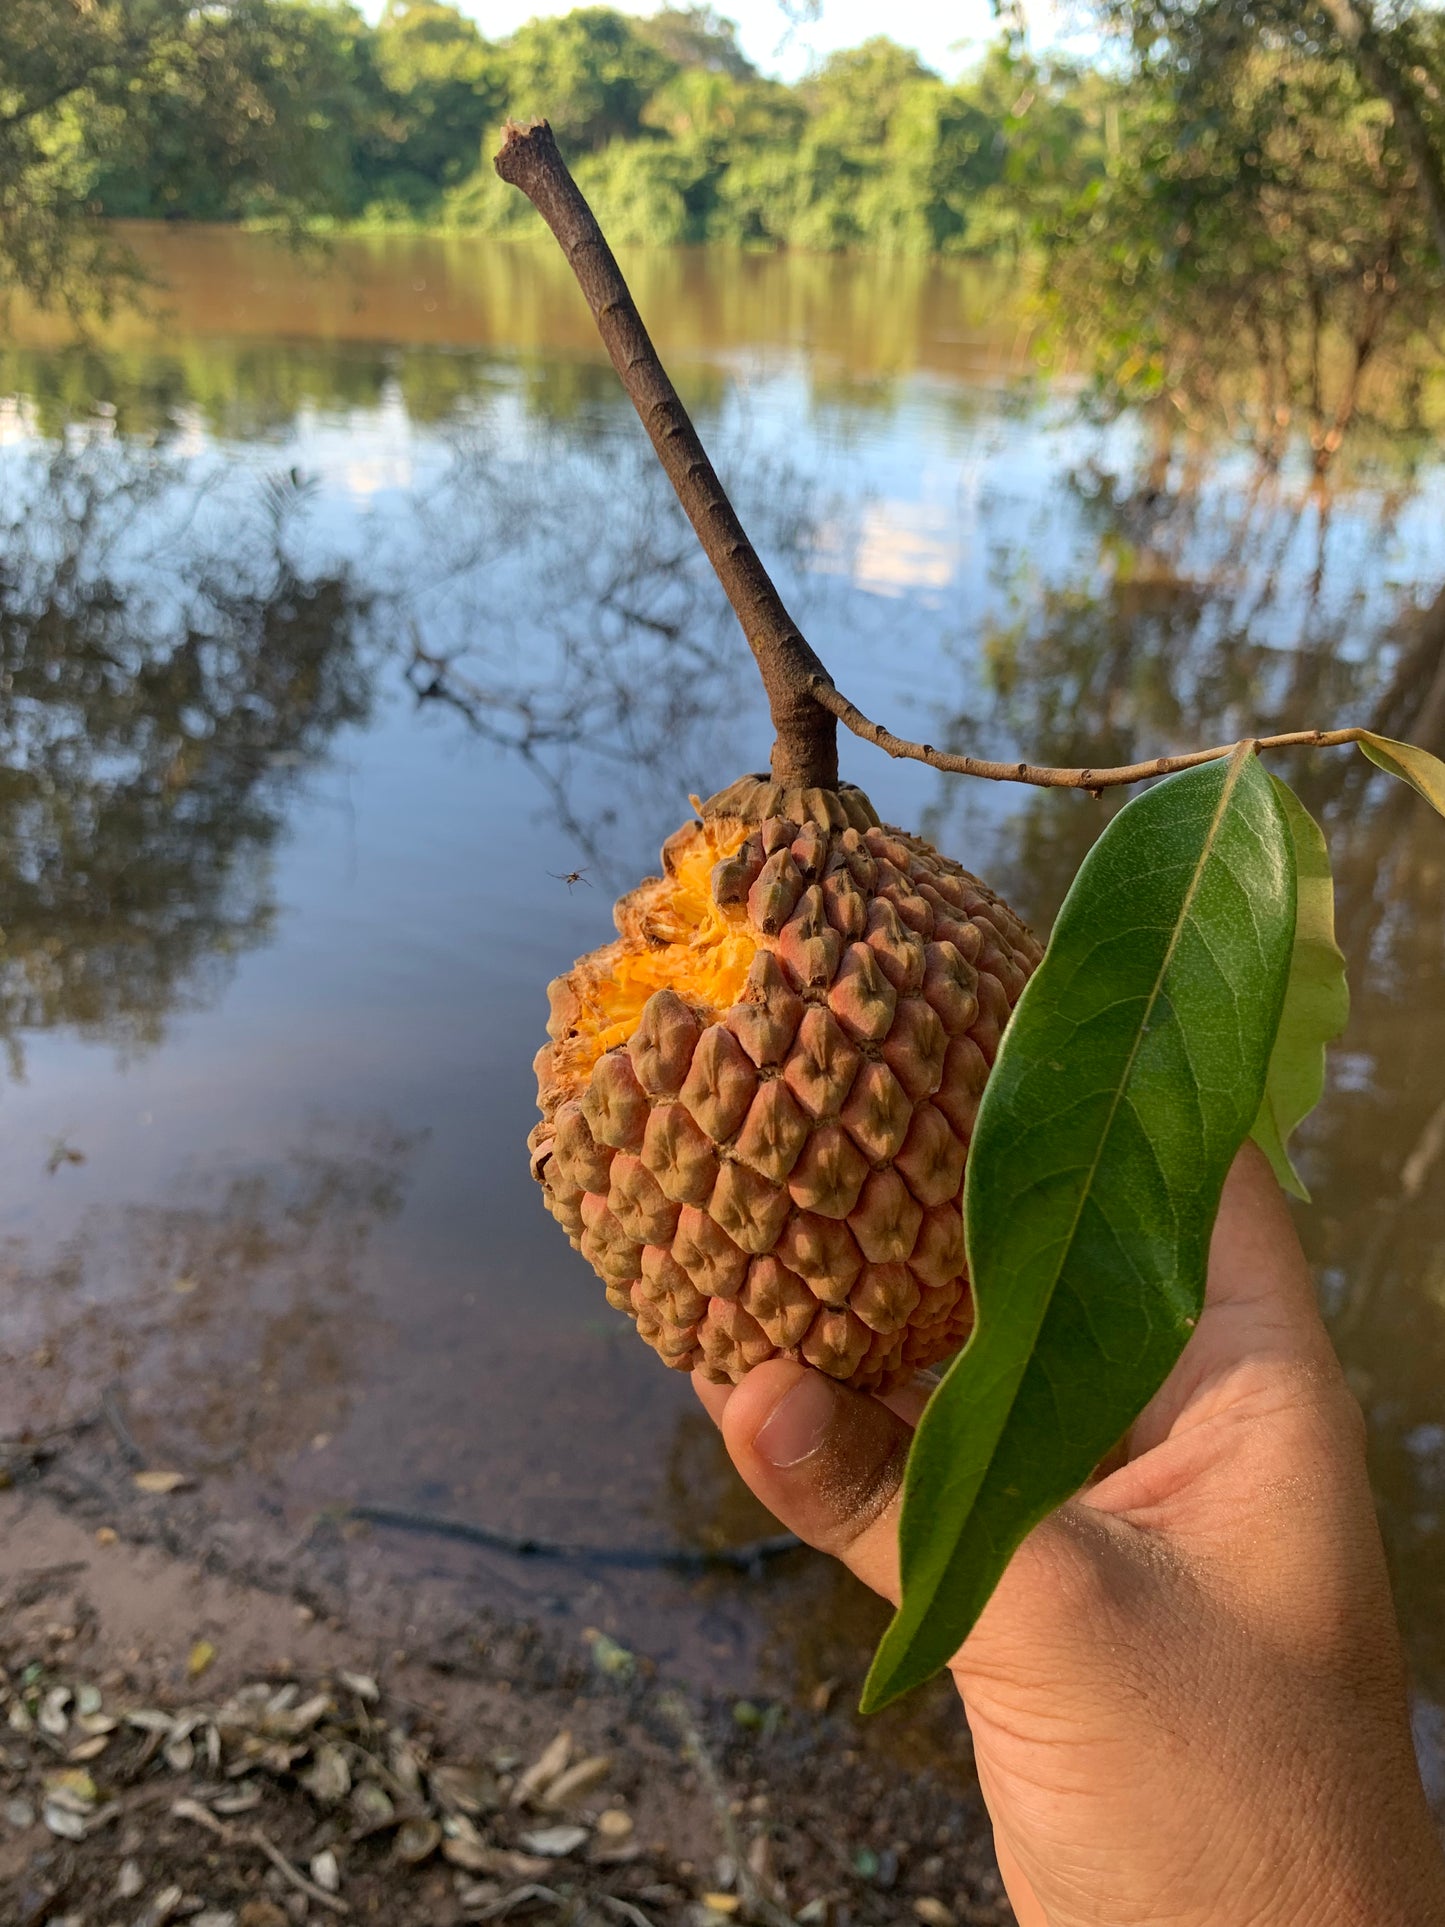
(721, 1808)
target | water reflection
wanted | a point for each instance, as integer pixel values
(163, 698)
(475, 602)
(1193, 605)
(866, 321)
(572, 622)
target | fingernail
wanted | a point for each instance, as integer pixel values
(798, 1423)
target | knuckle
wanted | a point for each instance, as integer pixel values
(856, 1488)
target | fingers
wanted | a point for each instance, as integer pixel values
(1255, 1257)
(825, 1460)
(1260, 1312)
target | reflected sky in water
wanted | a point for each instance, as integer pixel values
(343, 617)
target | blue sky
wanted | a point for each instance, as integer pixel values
(947, 33)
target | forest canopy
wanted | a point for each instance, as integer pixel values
(299, 111)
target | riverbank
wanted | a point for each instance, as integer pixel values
(213, 1725)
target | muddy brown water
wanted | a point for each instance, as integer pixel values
(355, 657)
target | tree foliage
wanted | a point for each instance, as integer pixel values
(1269, 228)
(297, 110)
(114, 107)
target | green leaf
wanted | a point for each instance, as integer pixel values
(1417, 767)
(1128, 1077)
(1316, 1000)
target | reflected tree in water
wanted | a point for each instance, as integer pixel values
(565, 614)
(170, 671)
(174, 668)
(1193, 606)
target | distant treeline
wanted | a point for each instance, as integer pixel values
(1236, 216)
(300, 109)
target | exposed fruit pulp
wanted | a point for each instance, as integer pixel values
(685, 943)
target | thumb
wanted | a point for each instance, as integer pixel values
(828, 1462)
(825, 1460)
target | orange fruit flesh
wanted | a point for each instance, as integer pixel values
(692, 947)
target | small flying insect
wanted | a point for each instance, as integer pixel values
(571, 877)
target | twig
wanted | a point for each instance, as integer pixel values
(38, 1582)
(1041, 775)
(295, 1876)
(805, 705)
(744, 1558)
(806, 751)
(499, 1908)
(758, 1904)
(115, 1419)
(624, 1910)
(28, 1443)
(203, 1817)
(254, 1837)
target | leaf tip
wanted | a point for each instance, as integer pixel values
(875, 1695)
(883, 1686)
(1411, 764)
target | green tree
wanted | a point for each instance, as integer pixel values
(591, 73)
(1258, 245)
(700, 106)
(1037, 138)
(443, 87)
(252, 110)
(153, 106)
(1396, 51)
(648, 191)
(698, 38)
(856, 94)
(54, 55)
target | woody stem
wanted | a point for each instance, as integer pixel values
(806, 750)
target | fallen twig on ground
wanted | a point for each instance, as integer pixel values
(758, 1904)
(294, 1875)
(115, 1418)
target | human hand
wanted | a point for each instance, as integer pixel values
(1186, 1694)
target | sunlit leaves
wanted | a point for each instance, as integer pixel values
(1129, 1075)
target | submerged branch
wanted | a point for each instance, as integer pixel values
(1041, 775)
(747, 1558)
(806, 750)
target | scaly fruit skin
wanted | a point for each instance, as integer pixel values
(767, 1159)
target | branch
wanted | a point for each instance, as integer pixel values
(806, 750)
(806, 707)
(1041, 775)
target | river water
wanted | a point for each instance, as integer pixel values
(356, 657)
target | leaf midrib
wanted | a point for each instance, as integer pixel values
(1236, 766)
